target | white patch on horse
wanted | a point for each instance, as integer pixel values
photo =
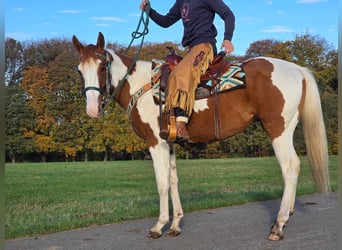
(118, 70)
(201, 105)
(140, 76)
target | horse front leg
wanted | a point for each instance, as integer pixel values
(161, 163)
(176, 203)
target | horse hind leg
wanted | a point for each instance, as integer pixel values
(176, 203)
(290, 166)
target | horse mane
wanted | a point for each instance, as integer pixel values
(127, 61)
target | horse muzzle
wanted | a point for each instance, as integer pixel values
(93, 110)
(95, 101)
(94, 107)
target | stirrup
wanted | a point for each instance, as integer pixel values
(169, 131)
(172, 129)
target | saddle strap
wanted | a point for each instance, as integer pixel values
(135, 98)
(217, 121)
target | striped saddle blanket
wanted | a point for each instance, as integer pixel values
(233, 78)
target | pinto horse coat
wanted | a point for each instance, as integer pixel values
(278, 94)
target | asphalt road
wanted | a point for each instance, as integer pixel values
(313, 226)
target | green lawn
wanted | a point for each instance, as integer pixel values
(44, 198)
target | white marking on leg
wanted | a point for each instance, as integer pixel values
(161, 163)
(176, 203)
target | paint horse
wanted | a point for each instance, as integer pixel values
(278, 94)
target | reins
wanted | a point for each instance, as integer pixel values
(144, 19)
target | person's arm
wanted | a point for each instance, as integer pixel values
(228, 17)
(163, 20)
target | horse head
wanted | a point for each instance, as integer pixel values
(94, 69)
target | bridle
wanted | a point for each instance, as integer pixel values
(107, 90)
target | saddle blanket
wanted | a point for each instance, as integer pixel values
(233, 78)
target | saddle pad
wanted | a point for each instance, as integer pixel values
(233, 78)
(155, 78)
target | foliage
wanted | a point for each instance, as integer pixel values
(19, 120)
(45, 112)
(14, 62)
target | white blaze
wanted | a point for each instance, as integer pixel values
(92, 103)
(89, 72)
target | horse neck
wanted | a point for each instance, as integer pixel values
(136, 79)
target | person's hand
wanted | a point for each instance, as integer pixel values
(143, 4)
(227, 46)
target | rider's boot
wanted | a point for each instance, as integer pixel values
(182, 132)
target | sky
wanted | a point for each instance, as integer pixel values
(255, 20)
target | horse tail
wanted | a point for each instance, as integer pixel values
(315, 134)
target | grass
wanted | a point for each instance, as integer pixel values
(50, 197)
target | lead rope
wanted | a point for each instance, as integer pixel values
(144, 19)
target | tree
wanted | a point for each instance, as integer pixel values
(19, 117)
(116, 133)
(14, 61)
(19, 120)
(328, 75)
(64, 102)
(309, 51)
(37, 86)
(262, 48)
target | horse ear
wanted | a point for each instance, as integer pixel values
(77, 44)
(100, 41)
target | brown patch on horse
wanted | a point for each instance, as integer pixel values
(122, 96)
(265, 96)
(142, 129)
(89, 52)
(234, 113)
(238, 109)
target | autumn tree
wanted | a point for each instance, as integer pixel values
(64, 102)
(38, 86)
(262, 48)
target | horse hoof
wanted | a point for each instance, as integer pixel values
(164, 134)
(275, 236)
(172, 233)
(153, 235)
